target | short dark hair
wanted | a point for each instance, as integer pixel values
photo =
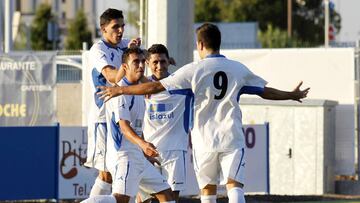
(157, 49)
(129, 51)
(109, 15)
(210, 35)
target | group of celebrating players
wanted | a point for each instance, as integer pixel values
(139, 143)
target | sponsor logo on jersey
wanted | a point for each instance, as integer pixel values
(161, 116)
(160, 107)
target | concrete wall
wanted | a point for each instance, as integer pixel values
(69, 104)
(170, 22)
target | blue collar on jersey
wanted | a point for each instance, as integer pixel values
(215, 56)
(109, 45)
(127, 81)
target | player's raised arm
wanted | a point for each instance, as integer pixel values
(140, 89)
(135, 42)
(110, 72)
(275, 94)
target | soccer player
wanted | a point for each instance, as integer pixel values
(166, 123)
(125, 160)
(105, 59)
(217, 136)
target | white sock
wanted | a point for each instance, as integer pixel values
(169, 202)
(100, 199)
(236, 195)
(100, 187)
(208, 198)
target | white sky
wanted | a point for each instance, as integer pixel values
(350, 14)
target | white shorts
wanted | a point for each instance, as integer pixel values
(130, 175)
(212, 167)
(96, 148)
(173, 168)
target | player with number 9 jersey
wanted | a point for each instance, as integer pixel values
(217, 84)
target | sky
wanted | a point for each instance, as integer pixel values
(350, 14)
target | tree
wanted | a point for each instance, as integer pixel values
(307, 18)
(39, 39)
(78, 32)
(208, 11)
(277, 38)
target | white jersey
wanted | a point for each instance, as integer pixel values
(124, 107)
(166, 120)
(101, 55)
(217, 84)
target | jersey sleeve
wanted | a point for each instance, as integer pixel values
(121, 106)
(181, 79)
(100, 59)
(253, 84)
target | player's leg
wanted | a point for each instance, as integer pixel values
(173, 168)
(126, 178)
(206, 168)
(233, 167)
(125, 182)
(143, 196)
(235, 191)
(100, 199)
(102, 185)
(208, 194)
(154, 183)
(176, 195)
(96, 158)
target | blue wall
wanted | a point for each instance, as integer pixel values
(28, 162)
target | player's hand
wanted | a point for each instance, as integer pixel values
(107, 93)
(135, 42)
(298, 94)
(149, 149)
(172, 61)
(153, 160)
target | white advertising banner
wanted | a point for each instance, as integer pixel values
(74, 180)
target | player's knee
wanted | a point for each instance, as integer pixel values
(121, 198)
(233, 183)
(105, 176)
(176, 195)
(209, 190)
(165, 195)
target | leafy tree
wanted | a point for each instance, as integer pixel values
(78, 32)
(39, 40)
(208, 11)
(307, 16)
(274, 37)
